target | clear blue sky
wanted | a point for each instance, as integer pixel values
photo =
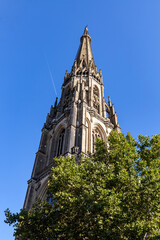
(126, 46)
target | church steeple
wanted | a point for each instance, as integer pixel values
(84, 54)
(74, 123)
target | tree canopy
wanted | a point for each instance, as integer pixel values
(112, 194)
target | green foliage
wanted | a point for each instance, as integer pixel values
(112, 194)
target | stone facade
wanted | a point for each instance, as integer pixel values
(74, 123)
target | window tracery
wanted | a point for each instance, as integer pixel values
(96, 102)
(60, 143)
(95, 134)
(69, 93)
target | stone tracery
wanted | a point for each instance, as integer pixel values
(95, 134)
(96, 101)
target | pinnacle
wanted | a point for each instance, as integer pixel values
(86, 31)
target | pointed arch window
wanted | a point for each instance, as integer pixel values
(87, 137)
(96, 103)
(95, 134)
(60, 143)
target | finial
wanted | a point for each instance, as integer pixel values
(109, 101)
(86, 30)
(55, 104)
(66, 73)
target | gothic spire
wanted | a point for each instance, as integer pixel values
(84, 53)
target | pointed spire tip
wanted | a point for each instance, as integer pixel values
(86, 30)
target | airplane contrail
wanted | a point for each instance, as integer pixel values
(51, 76)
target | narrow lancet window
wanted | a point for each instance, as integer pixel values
(96, 99)
(60, 143)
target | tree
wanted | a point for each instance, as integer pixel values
(112, 194)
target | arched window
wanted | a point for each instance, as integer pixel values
(87, 137)
(60, 143)
(67, 97)
(96, 102)
(96, 91)
(95, 134)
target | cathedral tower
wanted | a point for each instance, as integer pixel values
(74, 123)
